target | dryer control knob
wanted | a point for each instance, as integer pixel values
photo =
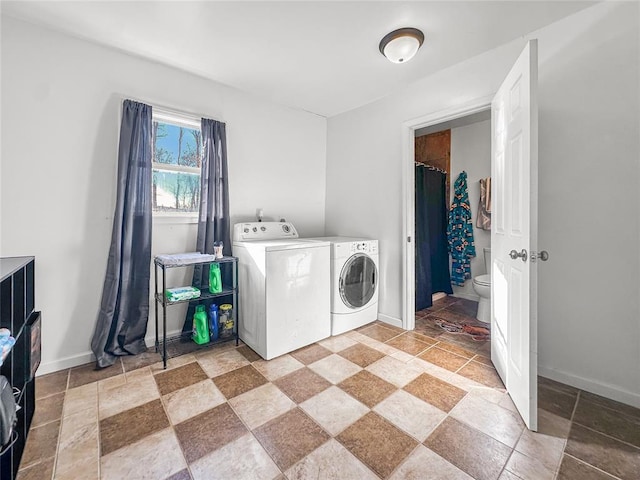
(246, 230)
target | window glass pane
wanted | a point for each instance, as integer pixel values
(175, 191)
(178, 146)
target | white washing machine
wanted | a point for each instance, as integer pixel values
(354, 282)
(283, 287)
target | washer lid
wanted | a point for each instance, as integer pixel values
(284, 244)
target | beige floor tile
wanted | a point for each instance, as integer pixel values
(173, 363)
(528, 468)
(154, 457)
(216, 363)
(507, 475)
(335, 344)
(431, 369)
(111, 382)
(394, 371)
(402, 356)
(423, 464)
(242, 459)
(78, 447)
(81, 399)
(86, 470)
(271, 403)
(124, 397)
(411, 414)
(334, 410)
(335, 368)
(489, 418)
(191, 401)
(330, 461)
(546, 448)
(278, 367)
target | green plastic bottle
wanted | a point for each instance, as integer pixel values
(200, 333)
(215, 278)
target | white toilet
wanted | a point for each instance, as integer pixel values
(482, 286)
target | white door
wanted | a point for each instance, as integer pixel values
(514, 231)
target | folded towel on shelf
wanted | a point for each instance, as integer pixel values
(181, 293)
(185, 258)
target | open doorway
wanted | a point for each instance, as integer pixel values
(458, 120)
(455, 153)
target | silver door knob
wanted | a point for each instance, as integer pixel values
(514, 255)
(543, 256)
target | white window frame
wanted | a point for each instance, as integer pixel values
(182, 120)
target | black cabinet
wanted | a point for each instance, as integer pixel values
(17, 314)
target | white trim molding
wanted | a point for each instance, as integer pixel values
(408, 186)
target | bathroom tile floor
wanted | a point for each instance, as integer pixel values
(373, 403)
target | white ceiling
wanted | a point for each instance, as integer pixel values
(317, 56)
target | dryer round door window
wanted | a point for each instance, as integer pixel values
(358, 280)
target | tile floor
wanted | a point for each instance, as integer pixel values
(374, 403)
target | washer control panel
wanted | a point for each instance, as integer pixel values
(254, 231)
(365, 246)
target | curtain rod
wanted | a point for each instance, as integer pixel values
(168, 110)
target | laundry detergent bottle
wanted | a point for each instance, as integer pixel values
(215, 278)
(200, 333)
(214, 328)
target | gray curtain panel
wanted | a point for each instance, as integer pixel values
(124, 310)
(213, 216)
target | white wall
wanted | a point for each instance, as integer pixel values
(61, 99)
(471, 152)
(589, 207)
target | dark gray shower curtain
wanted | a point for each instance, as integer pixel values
(432, 258)
(124, 309)
(213, 216)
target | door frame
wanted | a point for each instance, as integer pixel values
(408, 193)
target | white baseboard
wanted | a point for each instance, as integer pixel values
(609, 391)
(396, 322)
(63, 363)
(85, 357)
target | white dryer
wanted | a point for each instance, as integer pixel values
(283, 287)
(354, 282)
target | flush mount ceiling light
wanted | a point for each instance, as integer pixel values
(401, 45)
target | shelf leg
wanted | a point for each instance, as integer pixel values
(164, 318)
(155, 299)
